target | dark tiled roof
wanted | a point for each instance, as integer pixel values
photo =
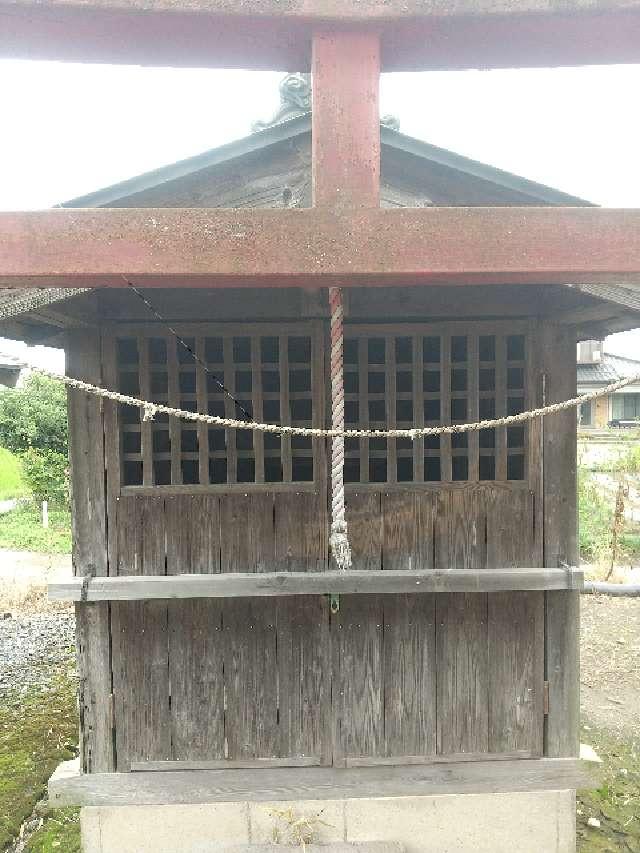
(610, 369)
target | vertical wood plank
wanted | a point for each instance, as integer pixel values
(89, 554)
(304, 677)
(560, 544)
(175, 427)
(516, 671)
(146, 429)
(250, 677)
(230, 409)
(462, 690)
(247, 537)
(410, 675)
(358, 677)
(256, 402)
(300, 532)
(363, 406)
(461, 636)
(140, 642)
(285, 407)
(400, 530)
(203, 406)
(319, 373)
(196, 649)
(247, 544)
(501, 407)
(111, 448)
(473, 405)
(345, 117)
(534, 433)
(445, 404)
(364, 520)
(418, 408)
(357, 638)
(390, 405)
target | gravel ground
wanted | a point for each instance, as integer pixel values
(34, 649)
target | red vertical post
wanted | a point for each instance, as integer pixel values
(346, 119)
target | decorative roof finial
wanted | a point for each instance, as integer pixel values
(295, 101)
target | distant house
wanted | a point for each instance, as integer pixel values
(596, 369)
(10, 368)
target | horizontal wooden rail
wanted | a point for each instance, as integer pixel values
(260, 584)
(416, 34)
(69, 787)
(275, 248)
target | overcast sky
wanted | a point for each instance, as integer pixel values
(70, 129)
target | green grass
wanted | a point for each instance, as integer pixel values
(60, 833)
(616, 803)
(11, 482)
(22, 530)
(36, 734)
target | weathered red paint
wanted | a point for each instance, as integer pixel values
(316, 247)
(346, 119)
(416, 34)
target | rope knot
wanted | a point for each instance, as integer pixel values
(149, 412)
(339, 543)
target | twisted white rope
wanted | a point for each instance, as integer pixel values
(338, 539)
(151, 409)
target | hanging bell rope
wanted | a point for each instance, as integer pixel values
(338, 540)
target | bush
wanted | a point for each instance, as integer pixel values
(34, 416)
(595, 515)
(46, 474)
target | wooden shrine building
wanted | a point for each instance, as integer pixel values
(222, 656)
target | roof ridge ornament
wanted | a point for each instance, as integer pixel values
(295, 102)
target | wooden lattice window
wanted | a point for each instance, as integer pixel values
(428, 376)
(253, 372)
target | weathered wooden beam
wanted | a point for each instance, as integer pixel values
(419, 34)
(222, 248)
(68, 787)
(242, 584)
(346, 119)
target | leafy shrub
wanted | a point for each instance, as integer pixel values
(46, 474)
(34, 416)
(595, 514)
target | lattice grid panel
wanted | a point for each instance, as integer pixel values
(267, 376)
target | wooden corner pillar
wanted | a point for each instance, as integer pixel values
(562, 616)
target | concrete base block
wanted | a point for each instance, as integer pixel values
(531, 822)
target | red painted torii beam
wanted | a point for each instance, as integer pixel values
(319, 247)
(346, 238)
(277, 34)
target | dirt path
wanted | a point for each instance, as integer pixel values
(610, 663)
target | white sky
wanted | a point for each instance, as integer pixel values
(70, 129)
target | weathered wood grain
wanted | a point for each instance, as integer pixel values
(247, 541)
(364, 522)
(560, 545)
(462, 666)
(89, 552)
(195, 633)
(304, 679)
(140, 642)
(252, 584)
(300, 523)
(409, 675)
(516, 671)
(250, 677)
(322, 783)
(357, 635)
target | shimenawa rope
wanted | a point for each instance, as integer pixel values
(338, 539)
(150, 409)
